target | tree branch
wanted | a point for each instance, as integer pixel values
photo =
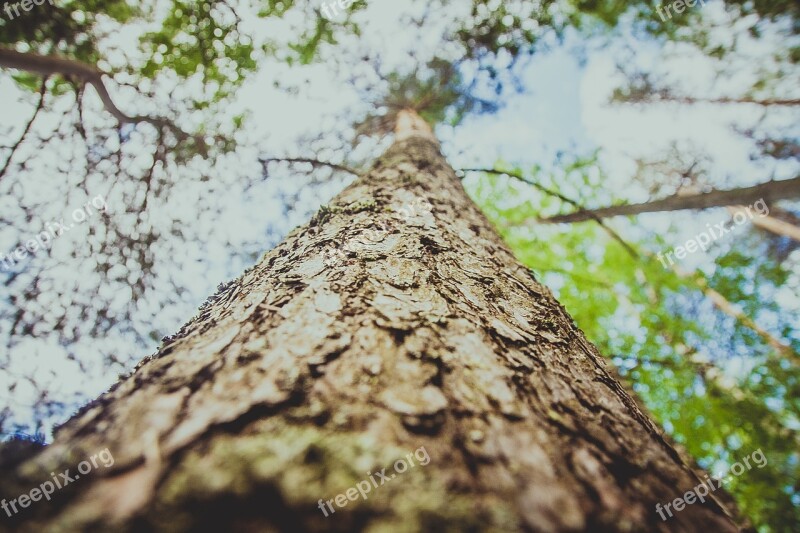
(51, 65)
(728, 308)
(39, 107)
(722, 303)
(769, 192)
(314, 162)
(689, 100)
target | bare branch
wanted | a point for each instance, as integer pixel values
(689, 100)
(316, 163)
(724, 305)
(769, 192)
(39, 107)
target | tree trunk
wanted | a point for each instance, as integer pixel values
(770, 191)
(316, 369)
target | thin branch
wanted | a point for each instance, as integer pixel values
(79, 124)
(724, 305)
(729, 309)
(39, 107)
(689, 100)
(316, 163)
(158, 157)
(614, 235)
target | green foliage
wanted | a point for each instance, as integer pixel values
(323, 31)
(511, 28)
(438, 93)
(305, 51)
(768, 9)
(518, 28)
(200, 37)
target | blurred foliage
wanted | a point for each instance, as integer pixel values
(200, 37)
(70, 28)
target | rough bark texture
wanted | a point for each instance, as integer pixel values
(299, 378)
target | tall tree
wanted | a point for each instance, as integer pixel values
(314, 368)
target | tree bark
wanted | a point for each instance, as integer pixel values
(770, 191)
(314, 369)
